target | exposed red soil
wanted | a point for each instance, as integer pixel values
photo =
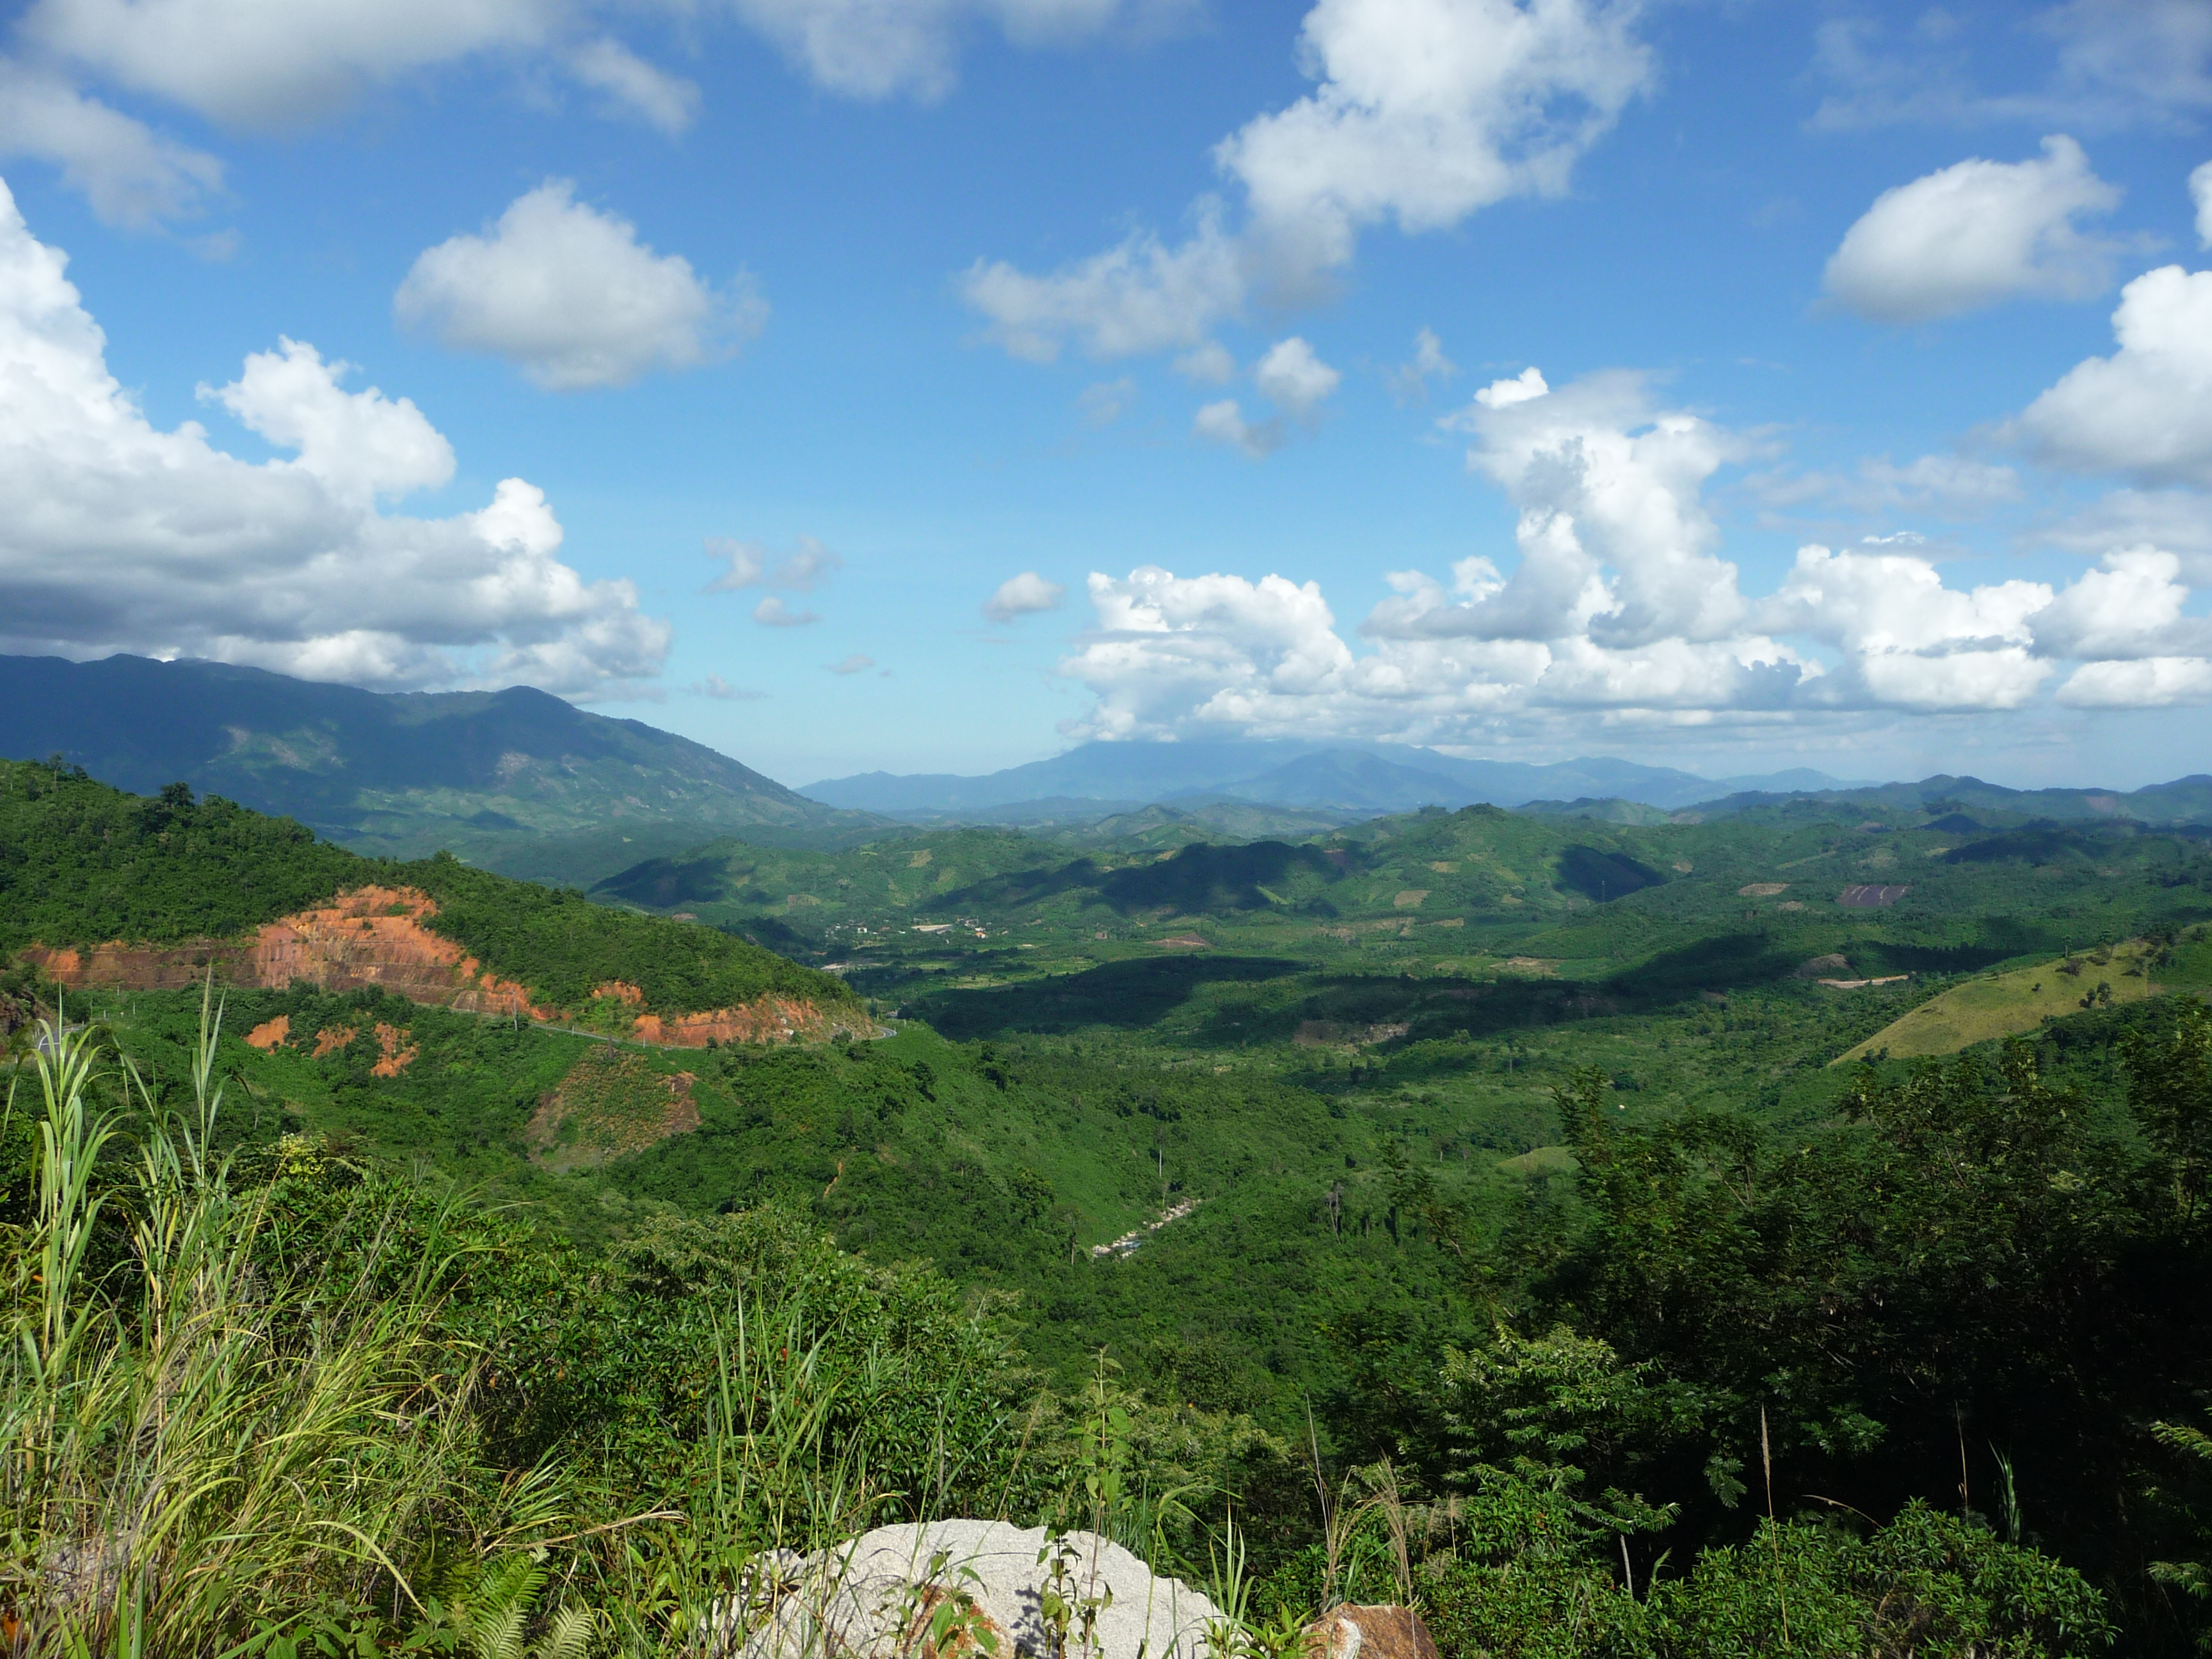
(392, 1058)
(372, 937)
(270, 1033)
(369, 938)
(764, 1019)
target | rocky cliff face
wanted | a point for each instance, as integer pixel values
(372, 937)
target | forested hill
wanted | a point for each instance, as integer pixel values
(82, 865)
(476, 771)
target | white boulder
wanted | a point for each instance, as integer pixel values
(879, 1596)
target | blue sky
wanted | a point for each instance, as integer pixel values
(1771, 409)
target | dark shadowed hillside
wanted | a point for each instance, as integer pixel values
(484, 773)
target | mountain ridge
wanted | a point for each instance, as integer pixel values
(1360, 778)
(404, 774)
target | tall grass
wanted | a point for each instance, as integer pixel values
(194, 1446)
(227, 1431)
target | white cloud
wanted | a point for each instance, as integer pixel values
(773, 612)
(2129, 610)
(2145, 683)
(1209, 364)
(571, 296)
(2200, 192)
(1618, 608)
(1294, 380)
(853, 665)
(1601, 479)
(2147, 410)
(238, 64)
(632, 86)
(1975, 233)
(1504, 394)
(242, 64)
(1107, 402)
(359, 444)
(1907, 639)
(132, 177)
(1426, 111)
(1224, 423)
(1140, 297)
(1409, 381)
(750, 565)
(121, 536)
(1025, 595)
(1171, 652)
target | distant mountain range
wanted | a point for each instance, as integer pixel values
(507, 777)
(1353, 780)
(1978, 804)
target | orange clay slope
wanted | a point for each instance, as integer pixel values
(372, 937)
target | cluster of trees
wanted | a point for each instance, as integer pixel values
(1975, 1292)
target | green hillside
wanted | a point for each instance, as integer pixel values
(81, 863)
(1391, 1141)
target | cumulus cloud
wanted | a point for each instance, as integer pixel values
(132, 176)
(773, 612)
(1409, 381)
(2145, 411)
(1504, 394)
(572, 297)
(1618, 606)
(1426, 111)
(2127, 610)
(1025, 595)
(1601, 479)
(1975, 233)
(360, 444)
(1908, 640)
(853, 665)
(124, 536)
(1224, 423)
(1294, 379)
(2144, 683)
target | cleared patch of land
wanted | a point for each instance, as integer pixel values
(2007, 1005)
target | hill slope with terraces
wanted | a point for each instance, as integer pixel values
(99, 888)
